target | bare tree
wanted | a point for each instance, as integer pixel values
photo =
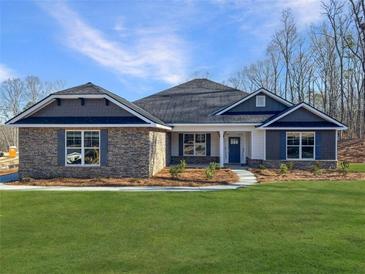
(16, 95)
(324, 66)
(285, 40)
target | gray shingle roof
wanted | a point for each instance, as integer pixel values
(195, 101)
(90, 89)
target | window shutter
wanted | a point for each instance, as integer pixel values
(208, 143)
(104, 147)
(318, 146)
(282, 145)
(181, 144)
(61, 147)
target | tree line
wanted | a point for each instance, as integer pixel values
(16, 95)
(324, 66)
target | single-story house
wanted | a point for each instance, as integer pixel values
(87, 131)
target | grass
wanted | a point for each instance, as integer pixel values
(301, 227)
(357, 167)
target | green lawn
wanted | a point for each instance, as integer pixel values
(303, 227)
(357, 167)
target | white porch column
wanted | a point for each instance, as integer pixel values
(221, 148)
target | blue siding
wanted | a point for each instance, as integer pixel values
(282, 145)
(81, 120)
(318, 145)
(208, 144)
(181, 144)
(104, 147)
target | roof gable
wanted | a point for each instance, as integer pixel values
(302, 115)
(249, 97)
(272, 106)
(88, 91)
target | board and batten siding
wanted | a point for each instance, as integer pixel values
(325, 144)
(91, 108)
(271, 105)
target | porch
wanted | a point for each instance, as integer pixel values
(227, 147)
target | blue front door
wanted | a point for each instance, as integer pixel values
(234, 150)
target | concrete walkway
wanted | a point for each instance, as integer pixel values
(246, 178)
(118, 188)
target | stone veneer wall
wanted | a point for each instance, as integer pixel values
(129, 154)
(158, 151)
(297, 164)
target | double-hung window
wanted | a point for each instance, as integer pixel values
(194, 144)
(82, 148)
(300, 145)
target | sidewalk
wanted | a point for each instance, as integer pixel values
(117, 188)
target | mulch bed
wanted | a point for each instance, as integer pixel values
(273, 175)
(190, 177)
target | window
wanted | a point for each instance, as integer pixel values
(260, 101)
(194, 144)
(300, 145)
(82, 148)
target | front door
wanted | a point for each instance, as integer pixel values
(234, 150)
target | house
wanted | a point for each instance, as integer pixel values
(87, 131)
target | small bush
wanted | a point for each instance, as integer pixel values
(214, 165)
(316, 169)
(283, 169)
(344, 167)
(182, 165)
(209, 173)
(290, 165)
(175, 171)
(262, 167)
(211, 169)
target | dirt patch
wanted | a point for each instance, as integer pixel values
(352, 150)
(190, 177)
(273, 175)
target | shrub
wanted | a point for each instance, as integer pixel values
(290, 165)
(209, 173)
(316, 169)
(214, 165)
(283, 169)
(175, 171)
(211, 169)
(182, 165)
(344, 167)
(262, 167)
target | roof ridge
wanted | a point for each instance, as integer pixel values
(186, 85)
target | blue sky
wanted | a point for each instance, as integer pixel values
(135, 48)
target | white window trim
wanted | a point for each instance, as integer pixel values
(194, 145)
(82, 148)
(263, 97)
(300, 146)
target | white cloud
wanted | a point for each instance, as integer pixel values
(6, 73)
(306, 12)
(158, 54)
(262, 17)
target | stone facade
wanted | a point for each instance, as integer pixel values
(132, 152)
(158, 151)
(297, 164)
(194, 160)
